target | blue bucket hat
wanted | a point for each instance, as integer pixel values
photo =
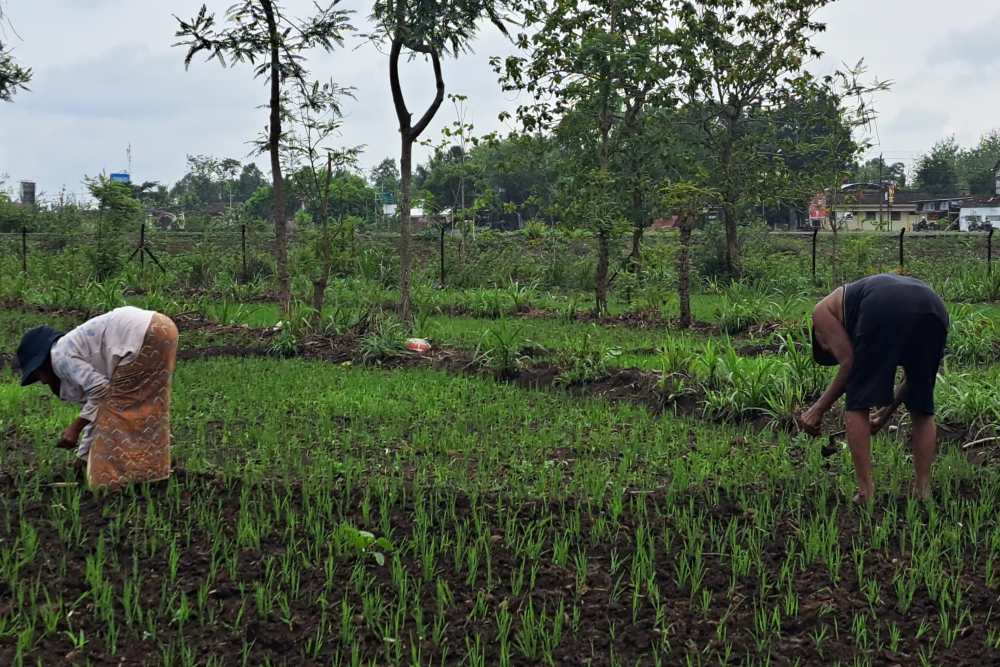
(34, 350)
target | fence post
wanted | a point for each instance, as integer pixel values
(243, 234)
(24, 249)
(442, 255)
(902, 232)
(815, 234)
(989, 251)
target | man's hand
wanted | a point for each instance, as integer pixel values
(878, 419)
(811, 421)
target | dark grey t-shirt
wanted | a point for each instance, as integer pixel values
(886, 299)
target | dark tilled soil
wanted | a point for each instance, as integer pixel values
(630, 385)
(185, 354)
(609, 624)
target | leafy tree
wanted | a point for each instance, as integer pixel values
(117, 209)
(450, 174)
(151, 194)
(665, 149)
(688, 203)
(937, 171)
(877, 170)
(250, 179)
(737, 58)
(976, 166)
(316, 118)
(593, 68)
(507, 179)
(262, 34)
(431, 29)
(806, 142)
(384, 177)
(14, 77)
(205, 182)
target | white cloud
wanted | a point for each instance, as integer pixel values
(106, 75)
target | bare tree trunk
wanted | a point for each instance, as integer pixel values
(405, 256)
(730, 199)
(732, 240)
(319, 297)
(684, 275)
(638, 227)
(278, 181)
(325, 251)
(636, 256)
(601, 279)
(408, 134)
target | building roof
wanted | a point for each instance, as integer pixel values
(902, 198)
(982, 202)
(958, 198)
(664, 223)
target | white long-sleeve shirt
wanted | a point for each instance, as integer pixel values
(86, 358)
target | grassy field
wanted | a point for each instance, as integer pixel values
(543, 488)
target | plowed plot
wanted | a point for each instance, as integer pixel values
(328, 514)
(200, 570)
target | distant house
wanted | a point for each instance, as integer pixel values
(982, 212)
(874, 209)
(941, 211)
(871, 207)
(664, 223)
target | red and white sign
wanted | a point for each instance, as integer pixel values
(817, 208)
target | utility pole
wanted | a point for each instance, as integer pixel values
(881, 194)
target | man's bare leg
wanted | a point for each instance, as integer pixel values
(923, 441)
(859, 439)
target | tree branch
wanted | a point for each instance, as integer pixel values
(402, 113)
(438, 99)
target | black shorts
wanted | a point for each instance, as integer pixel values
(914, 342)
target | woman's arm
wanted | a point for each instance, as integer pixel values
(79, 372)
(71, 436)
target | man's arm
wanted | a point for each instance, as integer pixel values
(832, 335)
(881, 418)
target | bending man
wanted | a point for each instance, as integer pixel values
(869, 328)
(119, 367)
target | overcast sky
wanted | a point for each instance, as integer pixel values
(106, 77)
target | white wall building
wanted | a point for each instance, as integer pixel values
(978, 212)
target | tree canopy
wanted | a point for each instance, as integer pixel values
(14, 76)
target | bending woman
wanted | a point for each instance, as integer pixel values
(119, 367)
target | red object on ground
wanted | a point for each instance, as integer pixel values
(417, 345)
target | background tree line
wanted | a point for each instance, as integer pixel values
(945, 169)
(620, 100)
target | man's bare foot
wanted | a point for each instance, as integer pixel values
(921, 493)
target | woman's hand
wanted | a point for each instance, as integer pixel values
(70, 437)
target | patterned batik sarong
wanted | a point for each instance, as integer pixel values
(131, 436)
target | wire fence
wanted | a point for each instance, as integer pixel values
(847, 252)
(246, 250)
